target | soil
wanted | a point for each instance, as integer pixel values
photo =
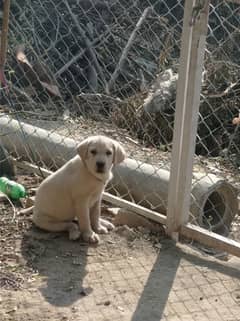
(42, 273)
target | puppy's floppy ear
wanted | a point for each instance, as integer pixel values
(119, 153)
(82, 148)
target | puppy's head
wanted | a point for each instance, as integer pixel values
(99, 154)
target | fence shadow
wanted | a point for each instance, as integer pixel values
(60, 264)
(155, 295)
(158, 286)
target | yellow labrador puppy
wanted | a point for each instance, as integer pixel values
(75, 191)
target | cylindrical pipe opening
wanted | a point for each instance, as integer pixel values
(218, 211)
(213, 210)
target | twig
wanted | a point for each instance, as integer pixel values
(13, 207)
(231, 139)
(69, 63)
(126, 50)
(87, 43)
(79, 55)
(224, 93)
(99, 96)
(23, 93)
(167, 47)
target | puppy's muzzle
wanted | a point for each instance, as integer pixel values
(100, 167)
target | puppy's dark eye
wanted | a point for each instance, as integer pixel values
(93, 152)
(108, 153)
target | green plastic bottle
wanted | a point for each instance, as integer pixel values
(12, 189)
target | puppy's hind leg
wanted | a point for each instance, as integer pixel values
(48, 224)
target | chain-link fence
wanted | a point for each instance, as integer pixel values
(78, 68)
(82, 68)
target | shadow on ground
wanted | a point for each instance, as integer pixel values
(155, 295)
(59, 262)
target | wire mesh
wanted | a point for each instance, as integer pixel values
(78, 68)
(83, 67)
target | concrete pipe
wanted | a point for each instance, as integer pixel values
(213, 203)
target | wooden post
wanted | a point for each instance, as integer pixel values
(186, 116)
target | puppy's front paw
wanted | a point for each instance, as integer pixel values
(107, 224)
(100, 229)
(90, 237)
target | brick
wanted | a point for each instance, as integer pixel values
(207, 290)
(200, 316)
(219, 288)
(224, 312)
(183, 295)
(213, 315)
(179, 308)
(205, 305)
(192, 306)
(186, 317)
(227, 300)
(199, 280)
(195, 293)
(173, 297)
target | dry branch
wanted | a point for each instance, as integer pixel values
(69, 63)
(79, 55)
(224, 93)
(87, 43)
(126, 49)
(24, 94)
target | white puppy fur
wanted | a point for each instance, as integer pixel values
(75, 191)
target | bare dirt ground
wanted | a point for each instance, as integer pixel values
(130, 276)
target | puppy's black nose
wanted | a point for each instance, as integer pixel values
(100, 165)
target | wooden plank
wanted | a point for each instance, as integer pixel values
(155, 216)
(186, 117)
(211, 239)
(33, 168)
